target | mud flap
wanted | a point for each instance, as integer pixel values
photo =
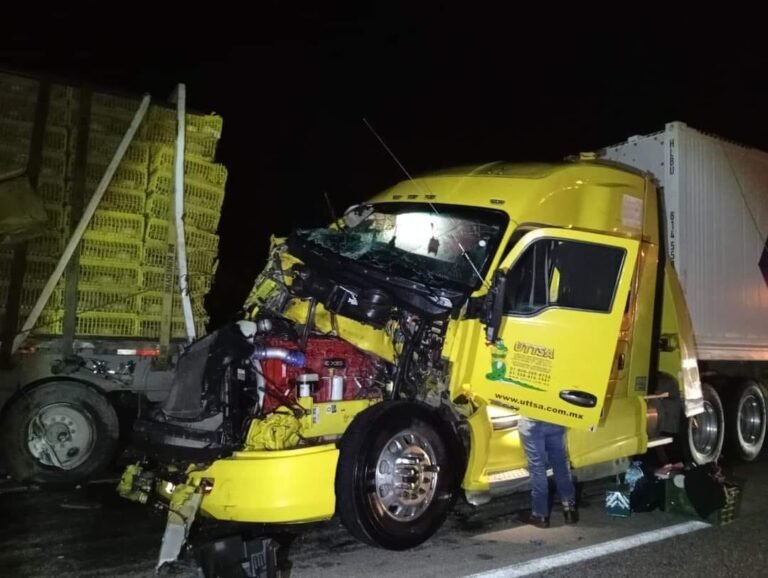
(181, 514)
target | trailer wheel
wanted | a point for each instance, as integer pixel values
(746, 421)
(58, 431)
(703, 434)
(396, 480)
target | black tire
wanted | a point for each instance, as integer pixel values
(745, 420)
(67, 406)
(360, 505)
(702, 436)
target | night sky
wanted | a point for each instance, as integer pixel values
(441, 86)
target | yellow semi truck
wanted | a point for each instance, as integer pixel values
(384, 360)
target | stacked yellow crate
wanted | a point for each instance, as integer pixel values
(122, 273)
(204, 183)
(18, 98)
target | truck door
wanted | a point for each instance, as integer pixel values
(564, 294)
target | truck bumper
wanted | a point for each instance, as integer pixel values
(289, 486)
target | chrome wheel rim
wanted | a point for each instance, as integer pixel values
(61, 435)
(406, 476)
(751, 422)
(704, 432)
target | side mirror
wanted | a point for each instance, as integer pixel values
(494, 306)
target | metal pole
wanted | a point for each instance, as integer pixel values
(77, 202)
(178, 209)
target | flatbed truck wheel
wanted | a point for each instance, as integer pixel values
(58, 431)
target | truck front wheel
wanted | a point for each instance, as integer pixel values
(396, 480)
(703, 436)
(58, 431)
(746, 421)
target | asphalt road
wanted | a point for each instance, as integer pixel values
(90, 532)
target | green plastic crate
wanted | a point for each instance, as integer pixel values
(676, 501)
(201, 194)
(154, 254)
(102, 148)
(18, 134)
(101, 123)
(114, 106)
(110, 248)
(53, 166)
(151, 304)
(58, 217)
(22, 109)
(18, 86)
(17, 108)
(197, 239)
(197, 261)
(52, 191)
(196, 145)
(107, 324)
(205, 171)
(38, 269)
(204, 124)
(123, 200)
(125, 177)
(159, 206)
(108, 300)
(50, 323)
(103, 274)
(30, 294)
(200, 283)
(163, 159)
(201, 145)
(153, 279)
(149, 327)
(117, 225)
(157, 230)
(201, 261)
(48, 245)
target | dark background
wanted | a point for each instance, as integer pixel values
(442, 86)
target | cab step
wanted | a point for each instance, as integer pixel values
(655, 442)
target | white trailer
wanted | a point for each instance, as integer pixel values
(716, 204)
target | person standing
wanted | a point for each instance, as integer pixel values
(544, 443)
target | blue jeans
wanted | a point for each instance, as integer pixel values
(545, 442)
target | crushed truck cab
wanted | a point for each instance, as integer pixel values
(383, 362)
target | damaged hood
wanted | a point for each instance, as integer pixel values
(424, 257)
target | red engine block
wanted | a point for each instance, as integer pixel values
(326, 356)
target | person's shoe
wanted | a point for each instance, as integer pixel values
(534, 520)
(571, 515)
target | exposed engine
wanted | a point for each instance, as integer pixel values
(249, 370)
(333, 370)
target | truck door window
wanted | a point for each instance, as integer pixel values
(567, 274)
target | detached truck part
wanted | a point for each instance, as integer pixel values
(386, 358)
(91, 305)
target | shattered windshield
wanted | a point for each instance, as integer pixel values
(434, 244)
